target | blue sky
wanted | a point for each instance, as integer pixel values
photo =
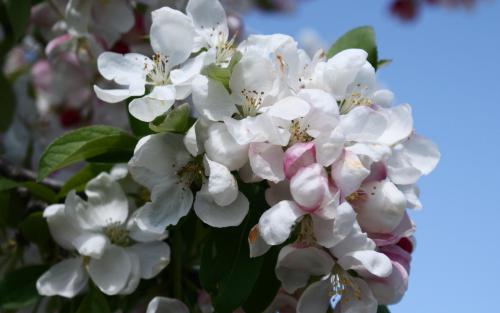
(446, 65)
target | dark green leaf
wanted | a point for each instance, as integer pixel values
(35, 229)
(267, 285)
(384, 62)
(40, 191)
(227, 270)
(7, 184)
(177, 121)
(81, 178)
(383, 309)
(18, 288)
(139, 128)
(82, 144)
(7, 106)
(18, 12)
(94, 302)
(360, 38)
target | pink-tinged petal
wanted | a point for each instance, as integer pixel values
(383, 208)
(406, 228)
(267, 161)
(348, 173)
(297, 156)
(398, 253)
(390, 290)
(309, 186)
(316, 298)
(329, 232)
(367, 263)
(367, 303)
(296, 265)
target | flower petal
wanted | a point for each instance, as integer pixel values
(367, 262)
(399, 124)
(153, 257)
(111, 272)
(211, 99)
(209, 18)
(124, 69)
(309, 186)
(66, 279)
(220, 216)
(267, 161)
(169, 203)
(135, 274)
(166, 305)
(295, 266)
(222, 185)
(348, 173)
(91, 244)
(276, 223)
(298, 156)
(363, 124)
(257, 245)
(316, 298)
(289, 108)
(171, 26)
(330, 232)
(222, 148)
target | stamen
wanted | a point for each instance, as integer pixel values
(191, 173)
(299, 133)
(343, 286)
(117, 234)
(224, 49)
(159, 74)
(252, 101)
(357, 98)
(306, 234)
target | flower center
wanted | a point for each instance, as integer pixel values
(117, 234)
(159, 74)
(191, 173)
(299, 133)
(343, 287)
(357, 97)
(306, 234)
(252, 101)
(224, 50)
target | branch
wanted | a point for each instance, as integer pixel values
(17, 173)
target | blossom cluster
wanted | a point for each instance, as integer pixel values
(338, 159)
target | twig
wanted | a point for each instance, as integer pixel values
(16, 173)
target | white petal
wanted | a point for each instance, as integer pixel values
(289, 108)
(316, 298)
(209, 17)
(168, 205)
(128, 69)
(329, 146)
(375, 152)
(363, 124)
(111, 272)
(383, 209)
(259, 128)
(324, 113)
(276, 223)
(257, 245)
(367, 262)
(149, 107)
(153, 257)
(412, 194)
(392, 289)
(107, 202)
(422, 154)
(135, 274)
(367, 304)
(222, 148)
(343, 69)
(91, 244)
(117, 95)
(330, 232)
(267, 161)
(172, 35)
(222, 185)
(278, 192)
(211, 99)
(348, 173)
(157, 158)
(309, 186)
(143, 235)
(65, 279)
(62, 227)
(295, 266)
(357, 240)
(383, 98)
(184, 75)
(399, 124)
(220, 216)
(166, 305)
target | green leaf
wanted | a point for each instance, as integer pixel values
(94, 302)
(81, 178)
(82, 144)
(360, 38)
(227, 271)
(383, 63)
(18, 12)
(40, 191)
(222, 74)
(18, 288)
(7, 107)
(383, 309)
(138, 127)
(7, 184)
(177, 121)
(36, 230)
(267, 285)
